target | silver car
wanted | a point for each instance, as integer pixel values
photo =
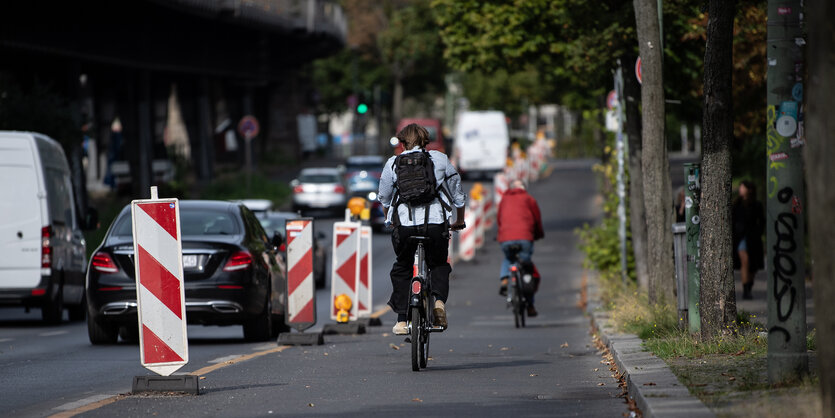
(319, 188)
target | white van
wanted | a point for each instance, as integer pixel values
(42, 249)
(481, 142)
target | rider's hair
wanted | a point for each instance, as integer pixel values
(413, 135)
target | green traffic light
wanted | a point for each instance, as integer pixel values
(362, 108)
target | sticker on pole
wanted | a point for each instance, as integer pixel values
(160, 291)
(301, 291)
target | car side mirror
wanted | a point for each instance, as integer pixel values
(277, 239)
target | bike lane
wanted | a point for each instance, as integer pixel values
(482, 365)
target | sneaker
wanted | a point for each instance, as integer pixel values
(503, 288)
(400, 328)
(440, 314)
(532, 311)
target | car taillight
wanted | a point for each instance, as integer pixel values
(238, 261)
(298, 189)
(338, 189)
(416, 287)
(38, 292)
(46, 247)
(103, 263)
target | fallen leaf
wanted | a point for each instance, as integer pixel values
(394, 346)
(534, 374)
(310, 405)
(202, 377)
(564, 345)
(731, 378)
(601, 384)
(740, 352)
(417, 400)
(504, 349)
(596, 369)
(649, 384)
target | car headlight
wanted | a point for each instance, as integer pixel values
(393, 141)
(372, 196)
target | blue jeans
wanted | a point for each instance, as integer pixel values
(524, 255)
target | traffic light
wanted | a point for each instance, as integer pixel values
(362, 108)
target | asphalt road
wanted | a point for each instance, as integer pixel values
(481, 365)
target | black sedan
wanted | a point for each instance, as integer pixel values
(233, 275)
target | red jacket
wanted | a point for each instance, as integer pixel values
(519, 217)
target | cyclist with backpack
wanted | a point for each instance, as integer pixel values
(419, 190)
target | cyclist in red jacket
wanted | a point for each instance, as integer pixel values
(519, 222)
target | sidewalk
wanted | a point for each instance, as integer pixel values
(650, 382)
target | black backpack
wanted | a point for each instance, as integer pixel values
(416, 184)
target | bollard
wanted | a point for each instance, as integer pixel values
(680, 255)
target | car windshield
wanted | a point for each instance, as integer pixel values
(193, 222)
(319, 178)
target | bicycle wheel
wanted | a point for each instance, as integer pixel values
(417, 326)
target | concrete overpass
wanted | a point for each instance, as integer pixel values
(227, 58)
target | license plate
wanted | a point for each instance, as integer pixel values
(189, 261)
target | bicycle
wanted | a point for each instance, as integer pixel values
(420, 316)
(517, 299)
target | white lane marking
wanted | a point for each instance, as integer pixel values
(52, 333)
(82, 402)
(224, 359)
(3, 340)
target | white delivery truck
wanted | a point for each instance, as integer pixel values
(42, 250)
(481, 142)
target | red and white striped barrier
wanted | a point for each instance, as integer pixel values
(301, 289)
(479, 222)
(345, 266)
(364, 299)
(466, 238)
(160, 291)
(500, 185)
(490, 209)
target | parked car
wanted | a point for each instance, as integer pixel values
(274, 223)
(259, 207)
(319, 188)
(44, 258)
(481, 143)
(436, 137)
(372, 164)
(230, 271)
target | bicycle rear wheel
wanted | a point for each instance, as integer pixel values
(417, 326)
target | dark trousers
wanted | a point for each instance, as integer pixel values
(436, 259)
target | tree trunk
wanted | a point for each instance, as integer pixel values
(656, 167)
(717, 301)
(637, 214)
(820, 176)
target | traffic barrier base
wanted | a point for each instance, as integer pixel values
(301, 338)
(370, 321)
(185, 383)
(344, 328)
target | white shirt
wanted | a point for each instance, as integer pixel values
(446, 177)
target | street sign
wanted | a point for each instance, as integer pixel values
(638, 70)
(248, 127)
(160, 291)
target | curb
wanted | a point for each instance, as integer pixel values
(650, 382)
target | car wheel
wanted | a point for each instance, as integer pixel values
(52, 311)
(129, 333)
(101, 332)
(260, 328)
(77, 312)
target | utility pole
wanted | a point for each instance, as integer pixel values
(785, 265)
